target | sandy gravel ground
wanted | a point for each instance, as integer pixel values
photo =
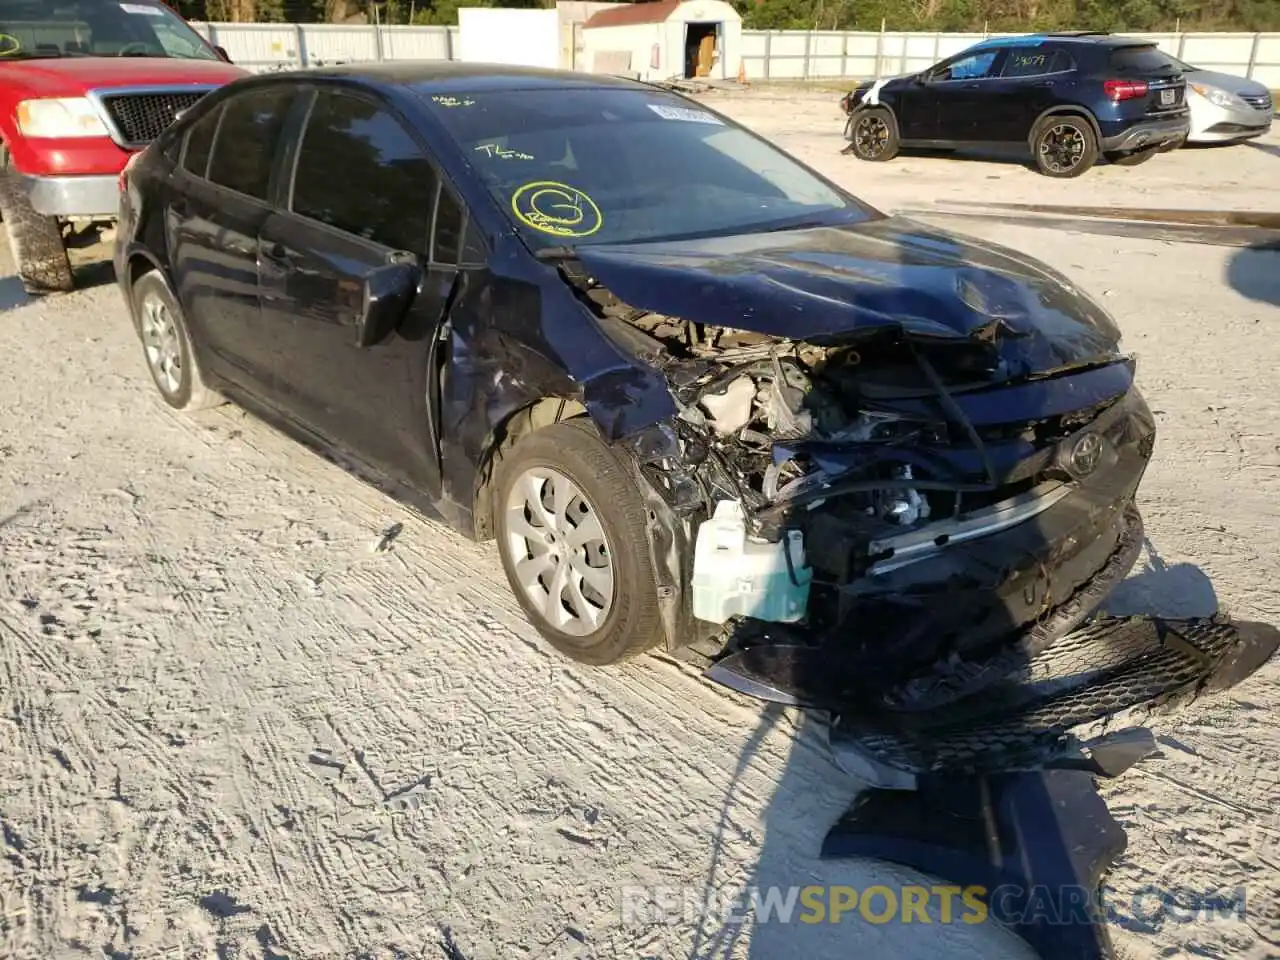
(230, 727)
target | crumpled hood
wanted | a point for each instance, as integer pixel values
(830, 284)
(72, 76)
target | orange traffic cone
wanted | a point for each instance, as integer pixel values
(742, 72)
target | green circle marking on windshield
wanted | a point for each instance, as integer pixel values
(556, 208)
(9, 45)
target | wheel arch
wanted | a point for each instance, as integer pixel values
(137, 262)
(533, 416)
(1066, 110)
(867, 107)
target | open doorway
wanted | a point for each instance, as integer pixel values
(701, 41)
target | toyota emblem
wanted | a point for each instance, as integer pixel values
(1086, 454)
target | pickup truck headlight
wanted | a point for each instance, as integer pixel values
(56, 118)
(1218, 97)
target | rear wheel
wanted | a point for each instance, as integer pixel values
(1064, 146)
(873, 135)
(166, 345)
(1130, 159)
(34, 239)
(571, 530)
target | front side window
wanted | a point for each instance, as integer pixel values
(360, 171)
(48, 29)
(583, 166)
(245, 149)
(200, 144)
(972, 66)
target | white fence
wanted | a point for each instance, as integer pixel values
(767, 54)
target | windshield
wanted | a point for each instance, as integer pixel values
(96, 28)
(574, 166)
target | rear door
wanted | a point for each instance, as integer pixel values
(364, 191)
(963, 90)
(1166, 87)
(218, 204)
(1031, 81)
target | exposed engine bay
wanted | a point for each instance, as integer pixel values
(808, 470)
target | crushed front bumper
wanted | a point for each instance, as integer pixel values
(939, 627)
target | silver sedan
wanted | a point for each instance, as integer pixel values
(1225, 107)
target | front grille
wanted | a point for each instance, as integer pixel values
(1259, 101)
(141, 117)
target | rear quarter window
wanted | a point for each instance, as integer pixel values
(1143, 59)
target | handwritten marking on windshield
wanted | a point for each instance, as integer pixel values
(9, 45)
(556, 208)
(446, 101)
(685, 114)
(141, 10)
(495, 150)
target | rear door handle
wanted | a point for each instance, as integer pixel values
(1045, 83)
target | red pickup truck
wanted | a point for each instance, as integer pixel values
(85, 84)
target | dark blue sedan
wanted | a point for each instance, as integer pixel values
(703, 398)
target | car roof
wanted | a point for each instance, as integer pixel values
(446, 76)
(1080, 37)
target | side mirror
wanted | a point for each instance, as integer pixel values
(388, 294)
(222, 52)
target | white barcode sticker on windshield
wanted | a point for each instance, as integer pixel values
(684, 113)
(142, 9)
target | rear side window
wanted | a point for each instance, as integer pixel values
(1142, 59)
(359, 170)
(246, 144)
(1033, 62)
(200, 144)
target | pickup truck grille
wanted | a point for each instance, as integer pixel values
(1259, 101)
(141, 117)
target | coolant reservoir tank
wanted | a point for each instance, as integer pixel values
(734, 575)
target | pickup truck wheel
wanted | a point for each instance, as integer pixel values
(1064, 146)
(570, 526)
(34, 240)
(166, 346)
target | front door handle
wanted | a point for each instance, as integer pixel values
(278, 255)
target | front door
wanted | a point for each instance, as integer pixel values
(961, 87)
(218, 207)
(364, 192)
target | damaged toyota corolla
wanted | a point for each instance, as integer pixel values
(702, 397)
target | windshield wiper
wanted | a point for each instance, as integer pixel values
(557, 253)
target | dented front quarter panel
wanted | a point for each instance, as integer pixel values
(517, 336)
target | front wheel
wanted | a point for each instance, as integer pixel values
(570, 525)
(873, 135)
(34, 240)
(1064, 146)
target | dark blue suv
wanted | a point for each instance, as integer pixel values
(1068, 96)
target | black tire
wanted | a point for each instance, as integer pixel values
(574, 450)
(190, 393)
(34, 239)
(873, 134)
(1063, 146)
(1130, 159)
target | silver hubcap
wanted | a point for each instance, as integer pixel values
(160, 340)
(562, 558)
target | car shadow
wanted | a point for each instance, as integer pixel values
(96, 273)
(1270, 148)
(1254, 272)
(1180, 590)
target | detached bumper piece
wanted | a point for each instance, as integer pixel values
(1107, 667)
